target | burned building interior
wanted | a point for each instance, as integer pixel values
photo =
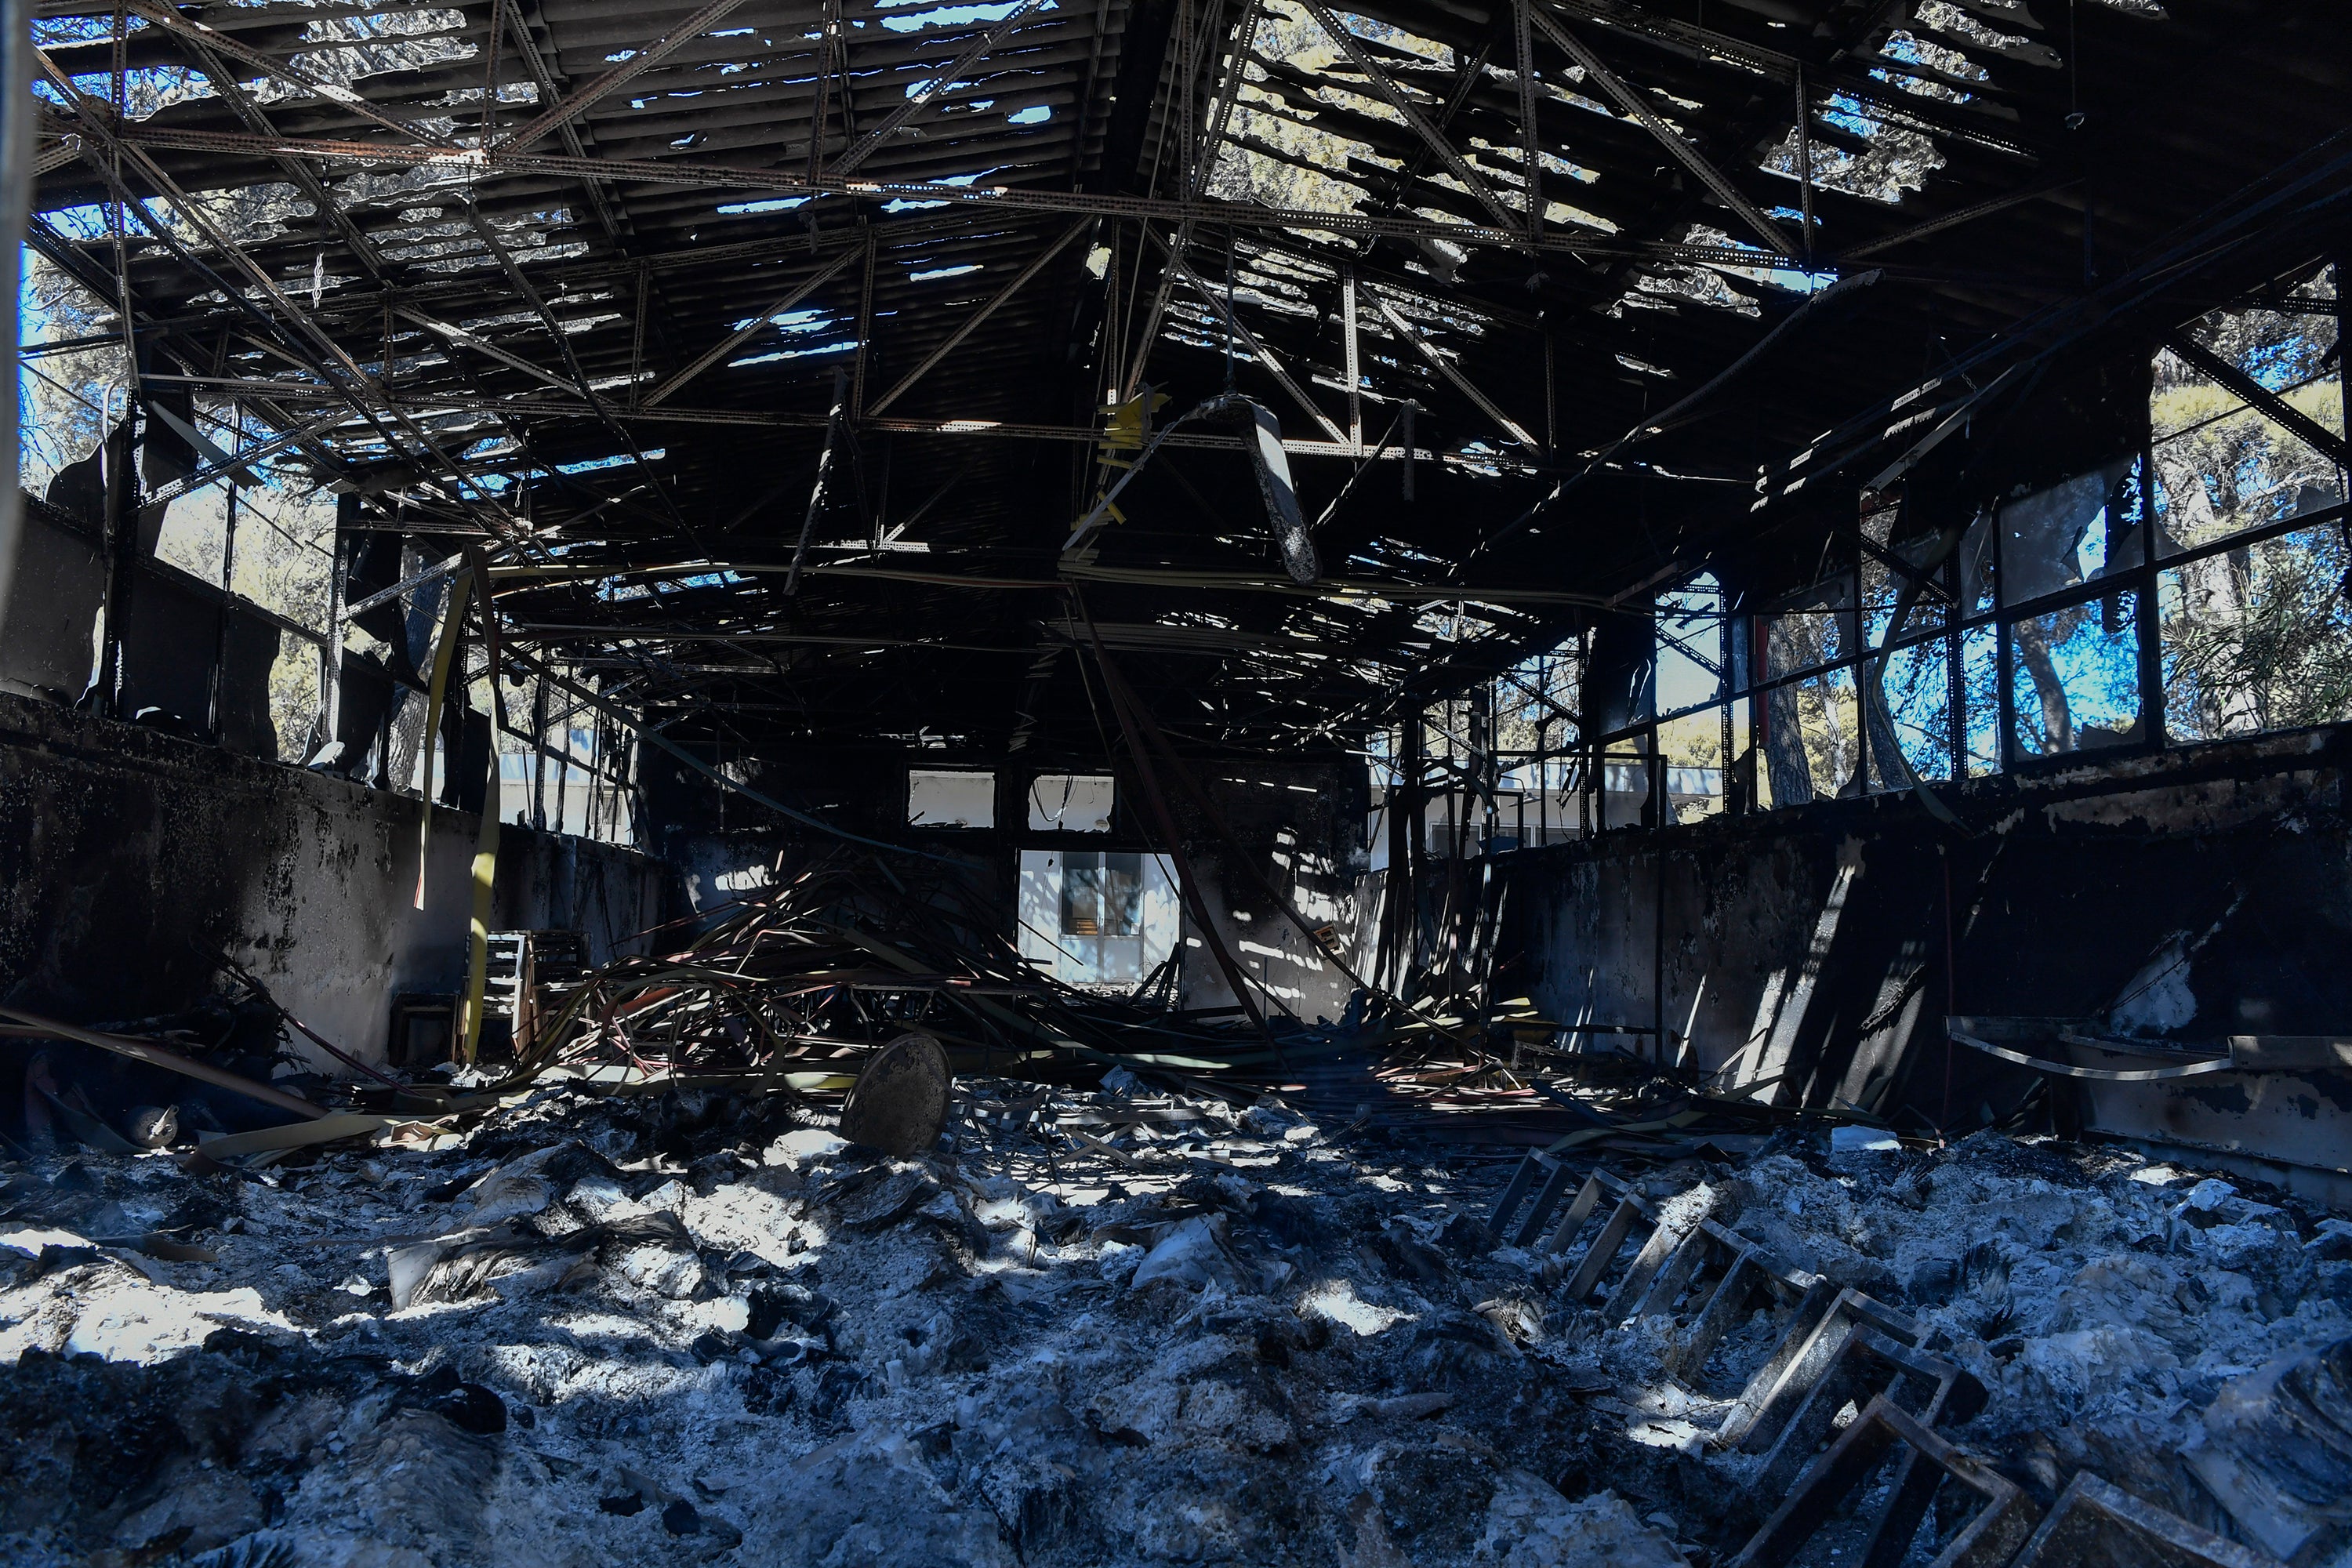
(1534, 782)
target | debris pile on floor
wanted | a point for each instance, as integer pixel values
(1111, 1325)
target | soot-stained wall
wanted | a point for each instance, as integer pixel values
(1811, 957)
(130, 858)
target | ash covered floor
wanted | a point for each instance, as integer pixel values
(701, 1328)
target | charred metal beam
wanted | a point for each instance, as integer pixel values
(488, 349)
(1236, 216)
(823, 471)
(1385, 87)
(1531, 130)
(2319, 437)
(620, 76)
(759, 322)
(1453, 374)
(1258, 350)
(1637, 105)
(1036, 265)
(956, 71)
(1953, 220)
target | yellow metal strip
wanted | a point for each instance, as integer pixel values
(478, 958)
(452, 620)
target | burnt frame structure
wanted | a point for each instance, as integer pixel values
(2083, 183)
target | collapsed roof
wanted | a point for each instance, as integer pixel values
(774, 350)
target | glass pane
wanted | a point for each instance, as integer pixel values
(1082, 875)
(2257, 638)
(1980, 687)
(2221, 465)
(1809, 739)
(2075, 677)
(1909, 698)
(2058, 537)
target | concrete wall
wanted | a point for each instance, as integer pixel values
(130, 858)
(1801, 956)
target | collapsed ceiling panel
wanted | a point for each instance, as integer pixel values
(788, 342)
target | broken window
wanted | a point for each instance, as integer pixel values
(1908, 694)
(2223, 463)
(2257, 638)
(1810, 734)
(2075, 677)
(939, 798)
(2069, 534)
(1908, 597)
(1903, 589)
(1071, 803)
(1097, 917)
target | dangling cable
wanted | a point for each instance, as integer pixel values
(1229, 312)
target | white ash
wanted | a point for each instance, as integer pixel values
(1236, 1344)
(2103, 1301)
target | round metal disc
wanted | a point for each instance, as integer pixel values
(899, 1103)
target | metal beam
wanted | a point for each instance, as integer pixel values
(226, 464)
(1452, 373)
(1238, 215)
(1221, 117)
(1635, 104)
(1952, 220)
(343, 374)
(752, 327)
(971, 323)
(490, 349)
(823, 471)
(2262, 398)
(920, 99)
(543, 81)
(620, 76)
(1074, 435)
(1354, 360)
(1394, 96)
(1531, 140)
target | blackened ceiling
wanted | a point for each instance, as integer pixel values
(598, 286)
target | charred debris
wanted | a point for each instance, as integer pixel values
(1504, 782)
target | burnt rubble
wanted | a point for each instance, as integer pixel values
(700, 1326)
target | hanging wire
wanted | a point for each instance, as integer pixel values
(1229, 311)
